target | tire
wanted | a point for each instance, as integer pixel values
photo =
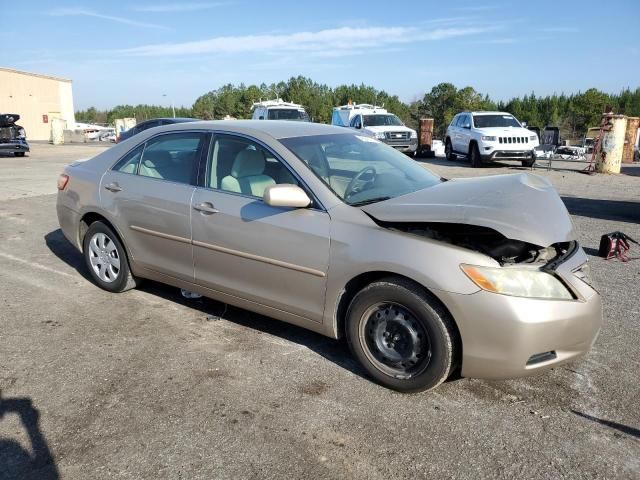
(402, 336)
(19, 154)
(529, 162)
(102, 248)
(474, 156)
(448, 151)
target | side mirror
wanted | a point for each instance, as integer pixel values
(286, 195)
(260, 117)
(467, 126)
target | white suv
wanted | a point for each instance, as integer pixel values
(485, 136)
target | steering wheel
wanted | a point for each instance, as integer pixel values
(353, 184)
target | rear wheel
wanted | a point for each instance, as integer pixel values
(474, 156)
(448, 151)
(19, 154)
(402, 336)
(106, 259)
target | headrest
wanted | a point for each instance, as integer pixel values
(247, 163)
(157, 157)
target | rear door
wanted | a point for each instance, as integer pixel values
(148, 194)
(243, 247)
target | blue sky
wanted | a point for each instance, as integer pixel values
(134, 52)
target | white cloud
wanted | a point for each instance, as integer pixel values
(81, 12)
(177, 7)
(338, 39)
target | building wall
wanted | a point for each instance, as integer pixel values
(33, 96)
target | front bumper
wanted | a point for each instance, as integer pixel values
(404, 146)
(490, 154)
(508, 337)
(14, 146)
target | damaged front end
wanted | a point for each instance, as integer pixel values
(488, 242)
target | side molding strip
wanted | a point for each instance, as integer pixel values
(229, 251)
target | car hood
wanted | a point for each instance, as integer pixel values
(505, 131)
(389, 128)
(520, 206)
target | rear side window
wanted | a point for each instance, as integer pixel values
(129, 163)
(172, 157)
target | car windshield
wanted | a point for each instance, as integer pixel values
(288, 114)
(381, 120)
(359, 169)
(487, 121)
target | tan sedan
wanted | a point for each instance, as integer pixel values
(338, 233)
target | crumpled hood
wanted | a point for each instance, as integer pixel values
(520, 206)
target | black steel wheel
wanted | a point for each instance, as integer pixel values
(402, 335)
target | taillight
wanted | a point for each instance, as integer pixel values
(63, 180)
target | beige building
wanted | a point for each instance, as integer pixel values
(37, 99)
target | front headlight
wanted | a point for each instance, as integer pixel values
(489, 138)
(533, 138)
(414, 134)
(380, 135)
(518, 282)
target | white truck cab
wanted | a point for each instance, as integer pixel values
(279, 110)
(376, 122)
(485, 136)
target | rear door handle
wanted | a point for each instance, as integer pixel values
(113, 187)
(206, 208)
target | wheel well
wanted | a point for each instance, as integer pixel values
(356, 284)
(90, 218)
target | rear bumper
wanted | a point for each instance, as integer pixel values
(69, 221)
(17, 146)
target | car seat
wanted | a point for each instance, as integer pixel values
(247, 175)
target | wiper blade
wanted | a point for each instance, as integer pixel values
(368, 201)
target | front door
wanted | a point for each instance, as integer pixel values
(243, 247)
(148, 194)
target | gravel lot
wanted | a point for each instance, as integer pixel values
(146, 385)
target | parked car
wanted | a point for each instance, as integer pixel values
(155, 122)
(341, 234)
(13, 137)
(279, 110)
(485, 136)
(378, 123)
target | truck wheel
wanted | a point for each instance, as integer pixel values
(448, 151)
(474, 156)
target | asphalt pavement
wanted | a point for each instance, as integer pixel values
(146, 384)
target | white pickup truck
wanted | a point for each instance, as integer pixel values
(485, 136)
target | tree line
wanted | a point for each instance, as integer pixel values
(573, 113)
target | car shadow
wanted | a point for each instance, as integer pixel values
(618, 210)
(634, 432)
(633, 171)
(36, 462)
(336, 351)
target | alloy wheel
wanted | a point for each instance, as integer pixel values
(104, 257)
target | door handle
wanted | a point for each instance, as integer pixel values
(113, 187)
(206, 208)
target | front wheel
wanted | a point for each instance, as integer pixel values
(474, 156)
(106, 259)
(402, 336)
(528, 162)
(448, 151)
(19, 154)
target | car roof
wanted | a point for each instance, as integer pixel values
(485, 112)
(274, 128)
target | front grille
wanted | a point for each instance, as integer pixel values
(513, 139)
(397, 135)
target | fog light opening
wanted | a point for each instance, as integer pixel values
(541, 357)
